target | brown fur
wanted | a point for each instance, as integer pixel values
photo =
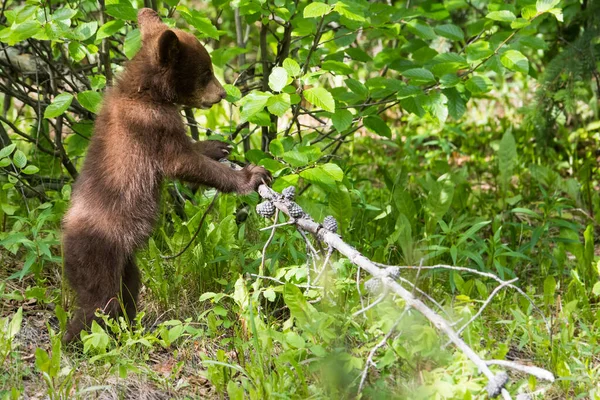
(140, 139)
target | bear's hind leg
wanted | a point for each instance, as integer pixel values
(94, 268)
(130, 288)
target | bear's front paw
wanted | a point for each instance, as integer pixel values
(253, 177)
(214, 149)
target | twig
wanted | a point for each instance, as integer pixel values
(528, 369)
(373, 304)
(379, 345)
(485, 304)
(270, 278)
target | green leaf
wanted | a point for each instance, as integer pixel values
(253, 103)
(334, 171)
(90, 100)
(278, 79)
(121, 9)
(337, 66)
(419, 75)
(319, 176)
(279, 104)
(84, 31)
(20, 159)
(59, 105)
(596, 289)
(295, 158)
(76, 51)
(316, 9)
(351, 11)
(507, 158)
(450, 31)
(6, 151)
(30, 169)
(456, 104)
(479, 84)
(502, 16)
(515, 60)
(233, 93)
(109, 29)
(291, 66)
(543, 6)
(133, 42)
(320, 97)
(421, 29)
(340, 205)
(342, 119)
(375, 124)
(449, 80)
(357, 87)
(295, 340)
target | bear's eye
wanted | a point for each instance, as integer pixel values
(205, 77)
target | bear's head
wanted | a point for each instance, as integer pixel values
(175, 66)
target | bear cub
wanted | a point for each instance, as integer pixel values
(140, 139)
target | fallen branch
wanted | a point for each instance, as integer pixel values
(387, 277)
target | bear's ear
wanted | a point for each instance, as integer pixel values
(148, 22)
(168, 48)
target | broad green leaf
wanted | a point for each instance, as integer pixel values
(76, 51)
(349, 10)
(6, 151)
(133, 42)
(375, 124)
(318, 175)
(316, 9)
(515, 61)
(340, 205)
(84, 31)
(479, 84)
(292, 67)
(549, 289)
(300, 309)
(357, 87)
(253, 103)
(279, 104)
(450, 31)
(543, 6)
(320, 97)
(278, 79)
(419, 75)
(30, 169)
(421, 29)
(109, 29)
(337, 66)
(90, 100)
(358, 54)
(478, 50)
(502, 16)
(507, 158)
(449, 80)
(59, 105)
(295, 340)
(121, 9)
(334, 171)
(15, 325)
(456, 104)
(233, 93)
(98, 82)
(596, 289)
(342, 119)
(20, 159)
(295, 158)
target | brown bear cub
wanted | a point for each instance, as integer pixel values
(140, 139)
